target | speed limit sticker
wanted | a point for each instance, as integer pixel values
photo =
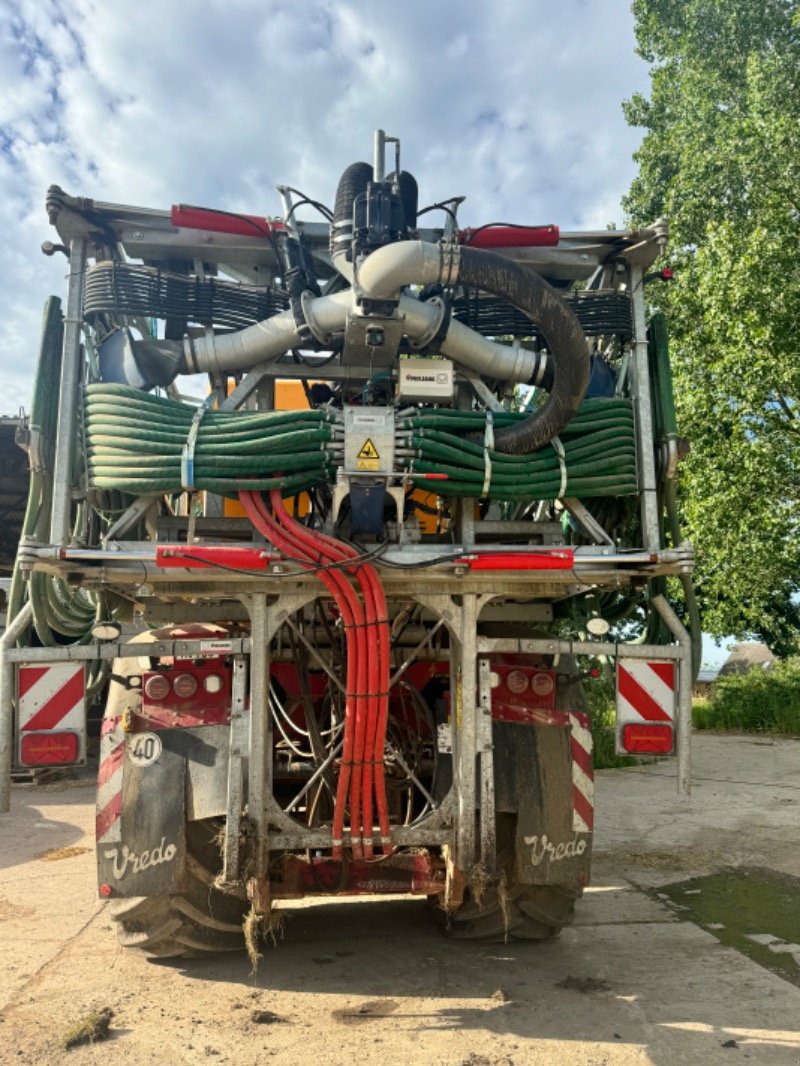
(144, 748)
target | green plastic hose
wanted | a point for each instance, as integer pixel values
(60, 615)
(135, 443)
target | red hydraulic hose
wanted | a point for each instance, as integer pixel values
(376, 617)
(378, 740)
(342, 592)
(374, 773)
(368, 678)
(356, 688)
(345, 598)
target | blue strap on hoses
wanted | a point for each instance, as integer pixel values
(187, 455)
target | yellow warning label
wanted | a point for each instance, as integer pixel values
(368, 450)
(368, 458)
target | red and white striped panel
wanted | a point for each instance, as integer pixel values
(51, 697)
(582, 772)
(108, 826)
(646, 691)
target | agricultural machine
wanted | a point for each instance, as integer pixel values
(338, 602)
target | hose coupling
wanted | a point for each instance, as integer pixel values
(430, 341)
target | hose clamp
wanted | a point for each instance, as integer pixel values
(488, 446)
(307, 298)
(211, 348)
(670, 456)
(188, 355)
(304, 331)
(449, 262)
(525, 366)
(27, 554)
(541, 367)
(341, 237)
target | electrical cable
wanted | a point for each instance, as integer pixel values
(264, 229)
(304, 199)
(440, 206)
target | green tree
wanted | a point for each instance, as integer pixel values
(721, 159)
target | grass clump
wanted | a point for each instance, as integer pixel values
(760, 701)
(93, 1027)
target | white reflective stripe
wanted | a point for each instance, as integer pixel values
(578, 824)
(583, 782)
(52, 681)
(105, 795)
(580, 734)
(112, 745)
(641, 671)
(626, 712)
(107, 788)
(642, 674)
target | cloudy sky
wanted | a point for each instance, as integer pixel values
(515, 104)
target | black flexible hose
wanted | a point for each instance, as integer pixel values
(409, 196)
(562, 334)
(352, 182)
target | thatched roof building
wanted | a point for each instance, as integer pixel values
(744, 657)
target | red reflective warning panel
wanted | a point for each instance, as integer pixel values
(647, 738)
(49, 749)
(522, 560)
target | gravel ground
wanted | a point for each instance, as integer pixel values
(374, 982)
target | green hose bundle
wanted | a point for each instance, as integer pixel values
(594, 456)
(137, 443)
(60, 615)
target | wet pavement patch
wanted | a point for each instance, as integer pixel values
(753, 910)
(587, 985)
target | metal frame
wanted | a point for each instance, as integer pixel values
(456, 596)
(645, 451)
(60, 528)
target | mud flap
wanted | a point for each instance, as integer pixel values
(150, 856)
(534, 779)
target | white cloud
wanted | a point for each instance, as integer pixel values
(515, 104)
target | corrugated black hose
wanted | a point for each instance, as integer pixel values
(562, 334)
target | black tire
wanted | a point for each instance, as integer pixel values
(507, 909)
(200, 920)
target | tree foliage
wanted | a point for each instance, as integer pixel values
(720, 159)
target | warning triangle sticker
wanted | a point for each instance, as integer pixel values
(368, 450)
